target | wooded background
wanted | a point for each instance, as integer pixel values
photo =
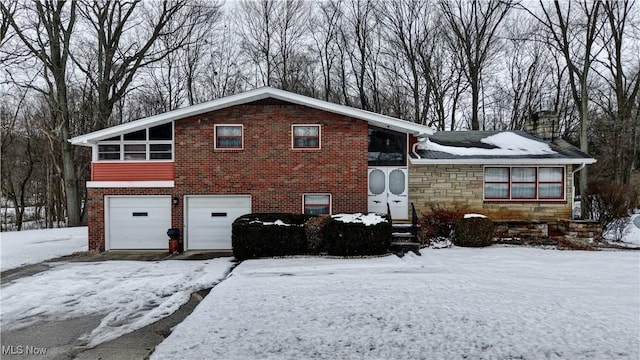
(72, 67)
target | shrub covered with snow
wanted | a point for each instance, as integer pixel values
(356, 235)
(269, 234)
(474, 231)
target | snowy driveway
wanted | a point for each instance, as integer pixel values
(127, 294)
(491, 303)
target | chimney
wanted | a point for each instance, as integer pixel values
(543, 124)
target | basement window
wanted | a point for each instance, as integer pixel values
(316, 204)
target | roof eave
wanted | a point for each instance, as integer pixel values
(247, 97)
(503, 161)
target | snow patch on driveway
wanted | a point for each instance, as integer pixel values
(130, 294)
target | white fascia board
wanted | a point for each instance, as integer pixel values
(477, 161)
(247, 97)
(376, 119)
(131, 184)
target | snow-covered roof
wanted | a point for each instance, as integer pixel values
(374, 119)
(496, 147)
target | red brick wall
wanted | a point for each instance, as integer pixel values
(267, 168)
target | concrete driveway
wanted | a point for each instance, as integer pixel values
(59, 339)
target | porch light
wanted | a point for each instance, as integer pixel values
(175, 201)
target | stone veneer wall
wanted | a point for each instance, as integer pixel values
(581, 229)
(521, 229)
(461, 186)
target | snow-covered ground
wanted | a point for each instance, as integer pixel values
(130, 294)
(491, 303)
(18, 248)
(631, 232)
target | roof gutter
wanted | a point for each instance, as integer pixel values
(502, 161)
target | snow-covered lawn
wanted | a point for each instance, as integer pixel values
(631, 232)
(130, 294)
(492, 303)
(18, 248)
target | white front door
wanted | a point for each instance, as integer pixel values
(389, 185)
(209, 218)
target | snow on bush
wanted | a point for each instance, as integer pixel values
(359, 218)
(470, 216)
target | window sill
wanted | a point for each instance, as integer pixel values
(511, 201)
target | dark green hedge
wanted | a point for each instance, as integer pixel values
(474, 232)
(252, 238)
(355, 239)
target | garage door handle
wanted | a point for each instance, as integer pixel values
(220, 214)
(140, 214)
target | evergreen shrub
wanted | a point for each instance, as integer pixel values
(341, 238)
(473, 232)
(269, 234)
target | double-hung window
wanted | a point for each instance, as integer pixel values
(305, 136)
(316, 204)
(523, 183)
(229, 137)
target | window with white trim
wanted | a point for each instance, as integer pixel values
(305, 136)
(524, 183)
(228, 137)
(316, 204)
(155, 143)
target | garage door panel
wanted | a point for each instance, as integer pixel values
(209, 220)
(138, 222)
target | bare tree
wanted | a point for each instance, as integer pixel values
(409, 25)
(357, 38)
(17, 161)
(127, 38)
(523, 82)
(574, 37)
(324, 30)
(473, 35)
(257, 29)
(223, 74)
(291, 22)
(623, 80)
(47, 36)
(5, 24)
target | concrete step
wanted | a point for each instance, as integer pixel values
(402, 247)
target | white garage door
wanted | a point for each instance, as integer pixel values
(137, 222)
(209, 219)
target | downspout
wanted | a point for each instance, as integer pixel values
(413, 150)
(573, 186)
(415, 146)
